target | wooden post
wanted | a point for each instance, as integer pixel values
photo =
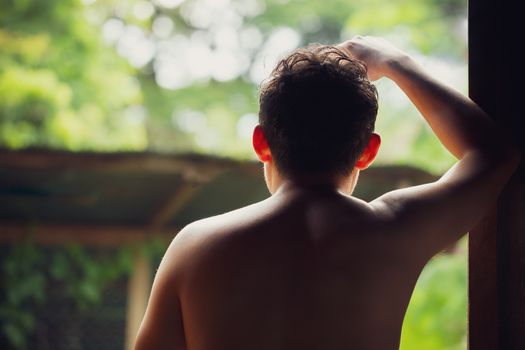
(138, 294)
(497, 245)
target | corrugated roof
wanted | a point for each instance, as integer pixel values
(142, 191)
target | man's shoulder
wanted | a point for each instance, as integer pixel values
(229, 220)
(219, 227)
(203, 240)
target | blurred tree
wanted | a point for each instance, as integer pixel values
(59, 86)
(190, 80)
(436, 318)
(79, 276)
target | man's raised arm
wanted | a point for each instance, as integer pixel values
(437, 214)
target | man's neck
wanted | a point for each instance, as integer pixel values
(318, 184)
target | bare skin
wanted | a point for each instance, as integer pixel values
(312, 267)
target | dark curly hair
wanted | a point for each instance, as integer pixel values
(317, 111)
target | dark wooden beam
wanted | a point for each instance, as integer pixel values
(192, 167)
(497, 244)
(89, 235)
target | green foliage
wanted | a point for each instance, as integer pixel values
(25, 292)
(84, 275)
(30, 270)
(431, 154)
(422, 24)
(59, 86)
(220, 104)
(437, 315)
(28, 97)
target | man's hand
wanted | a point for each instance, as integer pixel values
(377, 54)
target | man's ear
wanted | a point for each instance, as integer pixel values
(260, 144)
(369, 153)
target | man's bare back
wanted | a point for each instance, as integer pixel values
(312, 267)
(305, 269)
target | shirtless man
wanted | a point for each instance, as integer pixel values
(312, 267)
